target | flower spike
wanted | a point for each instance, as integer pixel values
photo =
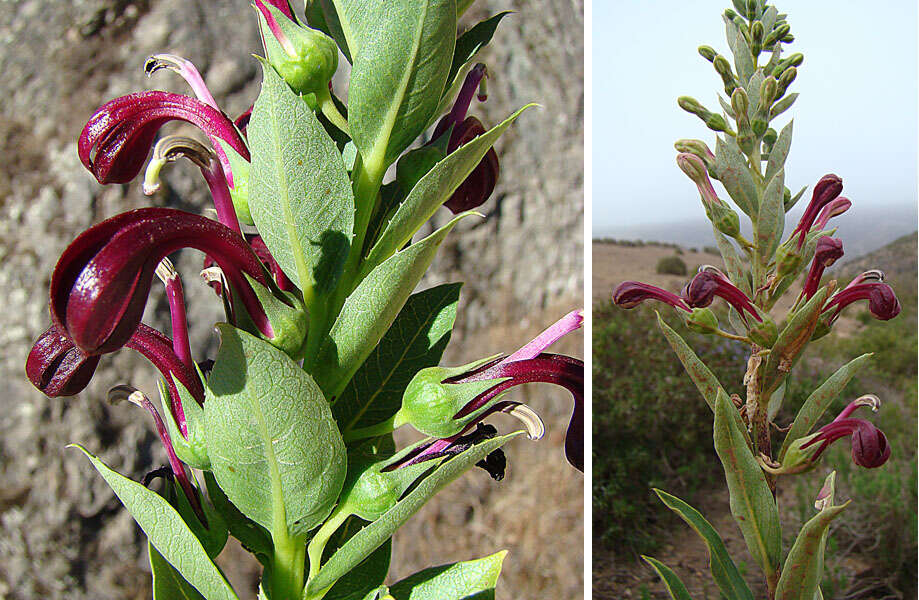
(711, 282)
(115, 142)
(630, 294)
(100, 285)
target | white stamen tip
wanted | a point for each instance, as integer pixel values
(166, 271)
(536, 429)
(123, 392)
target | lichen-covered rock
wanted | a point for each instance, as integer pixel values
(62, 532)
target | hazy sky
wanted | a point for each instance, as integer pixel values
(856, 115)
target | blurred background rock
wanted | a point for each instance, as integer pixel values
(62, 532)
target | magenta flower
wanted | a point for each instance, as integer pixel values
(870, 286)
(57, 367)
(869, 444)
(710, 282)
(115, 142)
(827, 189)
(480, 184)
(630, 294)
(833, 209)
(829, 250)
(695, 169)
(100, 284)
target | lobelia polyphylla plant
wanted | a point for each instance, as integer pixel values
(749, 162)
(325, 350)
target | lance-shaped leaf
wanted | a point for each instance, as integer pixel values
(399, 74)
(457, 581)
(732, 263)
(791, 341)
(168, 584)
(724, 571)
(803, 569)
(167, 532)
(706, 382)
(350, 21)
(371, 309)
(779, 152)
(752, 503)
(416, 340)
(365, 577)
(771, 222)
(783, 105)
(735, 176)
(275, 448)
(821, 399)
(432, 191)
(468, 45)
(299, 193)
(674, 585)
(375, 534)
(743, 58)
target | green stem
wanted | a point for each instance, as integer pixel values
(731, 336)
(328, 108)
(287, 565)
(387, 426)
(317, 544)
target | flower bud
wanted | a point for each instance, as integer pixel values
(725, 219)
(776, 34)
(740, 103)
(716, 122)
(708, 53)
(767, 94)
(723, 68)
(305, 58)
(692, 105)
(756, 32)
(702, 320)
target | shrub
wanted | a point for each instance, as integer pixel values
(671, 265)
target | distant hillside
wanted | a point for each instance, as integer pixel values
(897, 259)
(863, 229)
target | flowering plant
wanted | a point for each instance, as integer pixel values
(749, 161)
(284, 441)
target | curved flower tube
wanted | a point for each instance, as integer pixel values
(829, 250)
(630, 294)
(695, 169)
(116, 139)
(827, 189)
(832, 209)
(869, 444)
(100, 284)
(882, 300)
(711, 282)
(480, 184)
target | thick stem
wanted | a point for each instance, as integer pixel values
(287, 566)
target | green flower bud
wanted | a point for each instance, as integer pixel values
(691, 105)
(765, 333)
(753, 11)
(701, 150)
(798, 459)
(767, 94)
(740, 103)
(716, 122)
(770, 137)
(288, 318)
(756, 32)
(708, 53)
(788, 39)
(305, 58)
(759, 127)
(702, 320)
(723, 68)
(415, 164)
(730, 13)
(787, 76)
(725, 219)
(787, 260)
(777, 34)
(430, 405)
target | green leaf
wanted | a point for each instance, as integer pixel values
(458, 581)
(821, 399)
(735, 176)
(193, 450)
(706, 382)
(375, 534)
(724, 571)
(167, 532)
(792, 341)
(803, 569)
(349, 22)
(274, 446)
(365, 577)
(675, 587)
(783, 105)
(168, 584)
(370, 310)
(732, 262)
(250, 534)
(771, 222)
(432, 191)
(743, 58)
(299, 193)
(752, 88)
(399, 74)
(469, 44)
(416, 340)
(752, 503)
(779, 152)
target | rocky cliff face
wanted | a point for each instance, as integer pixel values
(62, 533)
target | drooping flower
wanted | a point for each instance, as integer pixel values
(630, 294)
(827, 189)
(829, 250)
(101, 282)
(869, 444)
(833, 209)
(447, 403)
(710, 282)
(480, 184)
(870, 286)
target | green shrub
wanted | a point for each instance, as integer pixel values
(671, 265)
